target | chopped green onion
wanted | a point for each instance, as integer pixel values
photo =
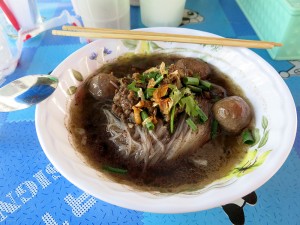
(114, 170)
(207, 85)
(149, 92)
(172, 119)
(191, 123)
(191, 81)
(132, 87)
(144, 115)
(159, 79)
(214, 129)
(248, 137)
(146, 121)
(194, 89)
(201, 114)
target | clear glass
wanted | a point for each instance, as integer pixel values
(10, 48)
(105, 13)
(162, 13)
(26, 13)
(135, 2)
(75, 6)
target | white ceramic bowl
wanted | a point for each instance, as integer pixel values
(274, 108)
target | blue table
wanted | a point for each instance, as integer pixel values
(33, 192)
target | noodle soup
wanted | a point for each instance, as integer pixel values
(173, 148)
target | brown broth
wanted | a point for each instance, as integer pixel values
(177, 176)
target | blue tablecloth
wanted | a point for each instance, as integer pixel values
(33, 192)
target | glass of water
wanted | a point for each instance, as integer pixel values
(105, 13)
(162, 13)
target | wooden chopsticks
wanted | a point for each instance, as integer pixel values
(143, 35)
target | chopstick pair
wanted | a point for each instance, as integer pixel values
(143, 35)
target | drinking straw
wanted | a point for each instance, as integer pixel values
(9, 15)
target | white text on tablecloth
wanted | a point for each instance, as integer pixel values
(29, 189)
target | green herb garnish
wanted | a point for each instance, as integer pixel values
(176, 94)
(147, 121)
(191, 123)
(191, 81)
(114, 170)
(149, 92)
(153, 75)
(159, 79)
(192, 108)
(205, 84)
(172, 119)
(214, 129)
(194, 89)
(132, 87)
(248, 137)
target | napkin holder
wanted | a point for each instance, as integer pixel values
(277, 21)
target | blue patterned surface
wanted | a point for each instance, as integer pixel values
(33, 192)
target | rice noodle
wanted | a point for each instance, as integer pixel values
(148, 147)
(114, 84)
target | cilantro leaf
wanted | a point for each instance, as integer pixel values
(175, 95)
(132, 87)
(147, 76)
(192, 108)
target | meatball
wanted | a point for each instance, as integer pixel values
(102, 86)
(191, 66)
(232, 113)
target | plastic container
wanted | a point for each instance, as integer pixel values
(277, 21)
